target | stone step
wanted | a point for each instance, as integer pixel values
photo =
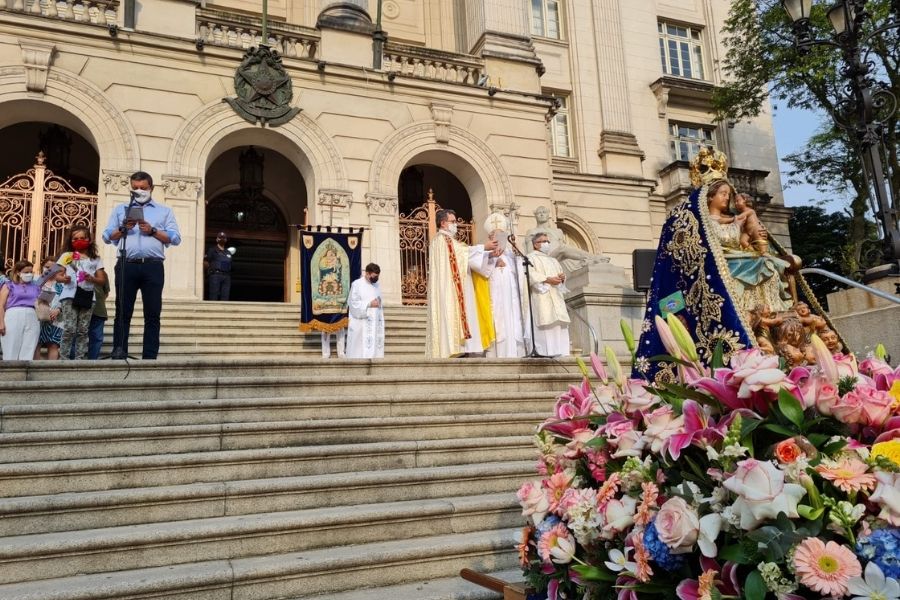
(109, 415)
(31, 557)
(167, 368)
(57, 477)
(89, 510)
(140, 441)
(293, 575)
(446, 588)
(414, 381)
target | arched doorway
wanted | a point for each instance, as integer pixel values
(253, 194)
(422, 190)
(48, 184)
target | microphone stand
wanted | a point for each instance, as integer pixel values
(534, 353)
(120, 292)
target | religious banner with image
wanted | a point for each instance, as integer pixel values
(330, 260)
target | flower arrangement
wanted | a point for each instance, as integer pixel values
(738, 480)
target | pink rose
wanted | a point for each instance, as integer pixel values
(660, 425)
(534, 501)
(826, 396)
(873, 367)
(636, 397)
(678, 525)
(864, 405)
(762, 493)
(846, 365)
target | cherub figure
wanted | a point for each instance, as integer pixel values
(753, 233)
(792, 343)
(832, 341)
(812, 323)
(763, 319)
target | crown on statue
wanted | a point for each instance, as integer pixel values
(708, 166)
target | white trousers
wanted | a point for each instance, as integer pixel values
(22, 332)
(326, 343)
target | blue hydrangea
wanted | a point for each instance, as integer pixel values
(659, 552)
(883, 548)
(546, 525)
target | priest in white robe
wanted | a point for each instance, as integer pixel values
(365, 333)
(551, 319)
(453, 327)
(507, 290)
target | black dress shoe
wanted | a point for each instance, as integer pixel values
(118, 354)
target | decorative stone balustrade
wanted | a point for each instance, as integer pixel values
(423, 63)
(95, 12)
(675, 180)
(219, 28)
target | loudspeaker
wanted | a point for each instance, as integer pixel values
(642, 261)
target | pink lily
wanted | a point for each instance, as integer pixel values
(570, 410)
(599, 369)
(698, 427)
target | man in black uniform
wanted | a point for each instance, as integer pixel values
(218, 268)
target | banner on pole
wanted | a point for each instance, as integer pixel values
(330, 260)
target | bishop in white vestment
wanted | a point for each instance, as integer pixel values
(506, 293)
(453, 328)
(365, 333)
(551, 319)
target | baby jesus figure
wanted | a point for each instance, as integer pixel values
(753, 233)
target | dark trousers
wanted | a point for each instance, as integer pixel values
(149, 279)
(218, 286)
(95, 337)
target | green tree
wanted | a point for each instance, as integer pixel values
(762, 61)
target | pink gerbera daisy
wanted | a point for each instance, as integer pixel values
(641, 558)
(557, 545)
(556, 487)
(648, 502)
(848, 473)
(825, 568)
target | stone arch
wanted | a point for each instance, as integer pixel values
(581, 227)
(301, 140)
(80, 105)
(477, 167)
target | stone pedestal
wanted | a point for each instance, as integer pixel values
(601, 295)
(864, 320)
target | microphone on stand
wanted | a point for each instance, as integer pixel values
(534, 353)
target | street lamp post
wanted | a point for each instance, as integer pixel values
(865, 106)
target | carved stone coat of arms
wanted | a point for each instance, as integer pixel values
(263, 88)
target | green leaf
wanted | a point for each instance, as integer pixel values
(589, 573)
(735, 553)
(834, 447)
(718, 361)
(754, 586)
(809, 513)
(790, 407)
(779, 429)
(597, 442)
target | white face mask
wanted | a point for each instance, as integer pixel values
(141, 196)
(545, 247)
(452, 228)
(26, 277)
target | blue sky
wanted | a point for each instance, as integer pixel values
(793, 127)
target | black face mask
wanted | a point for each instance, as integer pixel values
(373, 280)
(221, 241)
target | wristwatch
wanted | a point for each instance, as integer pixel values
(153, 230)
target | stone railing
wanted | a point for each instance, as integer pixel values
(675, 180)
(95, 12)
(423, 63)
(219, 28)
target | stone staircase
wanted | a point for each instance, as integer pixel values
(222, 329)
(265, 477)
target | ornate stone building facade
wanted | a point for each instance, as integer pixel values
(589, 107)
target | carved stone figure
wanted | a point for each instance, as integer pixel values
(570, 257)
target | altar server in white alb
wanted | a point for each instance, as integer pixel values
(365, 334)
(551, 319)
(507, 284)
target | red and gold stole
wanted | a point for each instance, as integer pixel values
(457, 283)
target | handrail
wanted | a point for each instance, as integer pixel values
(850, 282)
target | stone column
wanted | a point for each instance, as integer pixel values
(499, 30)
(184, 263)
(384, 244)
(618, 150)
(115, 189)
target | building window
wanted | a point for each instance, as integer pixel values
(560, 132)
(545, 18)
(681, 51)
(686, 140)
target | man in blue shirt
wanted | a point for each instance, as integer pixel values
(145, 242)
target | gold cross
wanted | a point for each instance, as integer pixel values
(496, 222)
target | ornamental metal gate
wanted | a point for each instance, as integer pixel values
(416, 231)
(37, 208)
